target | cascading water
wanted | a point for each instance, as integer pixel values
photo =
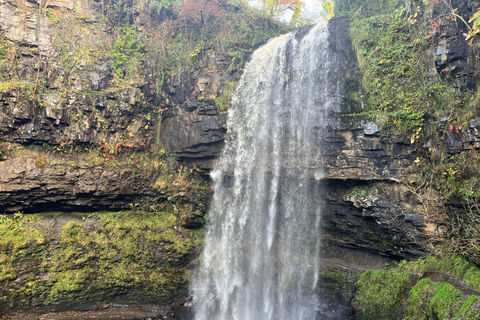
(261, 256)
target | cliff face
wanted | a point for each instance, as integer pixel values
(80, 131)
(100, 104)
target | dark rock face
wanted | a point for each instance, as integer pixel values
(382, 218)
(183, 309)
(101, 77)
(194, 136)
(454, 57)
(193, 126)
(40, 182)
(357, 154)
(82, 119)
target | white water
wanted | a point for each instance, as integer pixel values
(261, 256)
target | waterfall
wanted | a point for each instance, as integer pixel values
(262, 249)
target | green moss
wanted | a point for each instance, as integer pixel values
(381, 293)
(417, 304)
(332, 283)
(16, 235)
(451, 264)
(366, 7)
(388, 294)
(446, 301)
(224, 101)
(440, 300)
(466, 308)
(99, 256)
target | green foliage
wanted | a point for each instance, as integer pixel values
(177, 46)
(366, 7)
(389, 53)
(3, 50)
(159, 5)
(224, 101)
(457, 179)
(451, 264)
(9, 86)
(397, 91)
(360, 192)
(127, 52)
(381, 293)
(457, 176)
(475, 29)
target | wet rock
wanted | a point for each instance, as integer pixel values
(194, 135)
(44, 182)
(381, 218)
(20, 26)
(101, 77)
(184, 309)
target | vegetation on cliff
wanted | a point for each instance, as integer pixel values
(421, 90)
(98, 256)
(424, 97)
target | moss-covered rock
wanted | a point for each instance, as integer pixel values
(432, 288)
(68, 261)
(332, 283)
(380, 294)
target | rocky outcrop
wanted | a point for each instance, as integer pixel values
(194, 127)
(79, 119)
(385, 218)
(370, 207)
(454, 56)
(81, 261)
(37, 181)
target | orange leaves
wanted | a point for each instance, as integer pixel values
(288, 4)
(436, 23)
(120, 144)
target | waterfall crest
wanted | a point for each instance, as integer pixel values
(261, 256)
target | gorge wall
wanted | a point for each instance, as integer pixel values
(84, 131)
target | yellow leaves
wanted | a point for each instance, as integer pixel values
(416, 135)
(328, 6)
(475, 29)
(210, 97)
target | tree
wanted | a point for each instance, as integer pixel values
(279, 8)
(328, 7)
